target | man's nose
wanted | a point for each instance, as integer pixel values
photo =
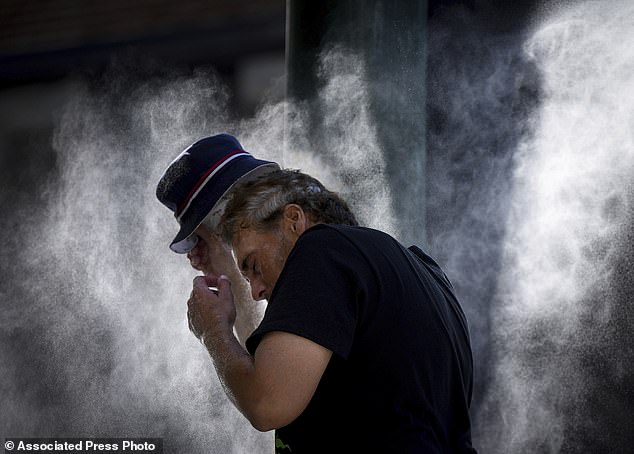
(257, 289)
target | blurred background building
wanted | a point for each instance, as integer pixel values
(43, 44)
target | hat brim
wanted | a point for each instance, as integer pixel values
(186, 239)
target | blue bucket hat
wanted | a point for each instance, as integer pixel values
(198, 182)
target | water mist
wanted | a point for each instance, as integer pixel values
(99, 345)
(561, 290)
(530, 180)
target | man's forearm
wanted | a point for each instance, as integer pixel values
(249, 313)
(234, 366)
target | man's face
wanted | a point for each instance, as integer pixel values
(210, 255)
(261, 257)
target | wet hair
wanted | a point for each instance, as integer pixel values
(259, 204)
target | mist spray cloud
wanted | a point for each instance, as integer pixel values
(108, 303)
(112, 351)
(530, 184)
(572, 203)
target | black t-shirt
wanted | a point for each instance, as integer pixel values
(400, 378)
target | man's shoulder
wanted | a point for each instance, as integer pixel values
(351, 232)
(345, 241)
(323, 237)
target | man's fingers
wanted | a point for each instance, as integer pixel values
(208, 280)
(204, 282)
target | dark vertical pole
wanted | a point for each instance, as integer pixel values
(390, 36)
(306, 28)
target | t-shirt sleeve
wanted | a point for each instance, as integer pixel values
(318, 292)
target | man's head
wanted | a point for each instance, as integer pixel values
(264, 218)
(197, 184)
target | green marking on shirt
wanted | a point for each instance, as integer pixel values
(279, 444)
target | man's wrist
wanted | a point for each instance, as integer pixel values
(221, 331)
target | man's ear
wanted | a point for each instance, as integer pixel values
(294, 219)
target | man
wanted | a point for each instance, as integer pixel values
(196, 187)
(363, 346)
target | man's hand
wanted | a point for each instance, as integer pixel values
(209, 311)
(211, 255)
(214, 258)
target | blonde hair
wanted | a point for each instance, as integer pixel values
(259, 204)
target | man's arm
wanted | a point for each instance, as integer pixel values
(271, 388)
